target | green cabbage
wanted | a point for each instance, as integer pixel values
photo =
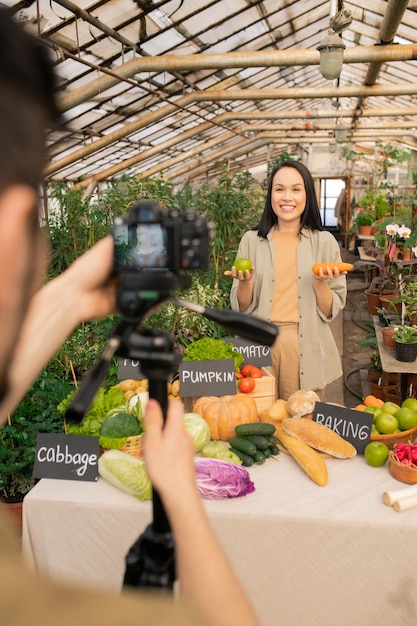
(216, 450)
(198, 428)
(125, 472)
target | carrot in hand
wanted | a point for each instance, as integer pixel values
(342, 267)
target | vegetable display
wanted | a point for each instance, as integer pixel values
(219, 479)
(208, 349)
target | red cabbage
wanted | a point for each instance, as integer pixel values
(221, 479)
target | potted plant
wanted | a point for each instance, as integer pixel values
(406, 343)
(37, 413)
(409, 297)
(363, 221)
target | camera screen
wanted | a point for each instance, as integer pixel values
(142, 246)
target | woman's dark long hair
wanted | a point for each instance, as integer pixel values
(310, 218)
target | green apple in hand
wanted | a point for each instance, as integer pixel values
(376, 453)
(242, 264)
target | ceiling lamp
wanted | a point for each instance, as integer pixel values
(332, 46)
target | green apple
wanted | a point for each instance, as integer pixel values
(386, 423)
(410, 403)
(242, 264)
(406, 418)
(390, 407)
(376, 453)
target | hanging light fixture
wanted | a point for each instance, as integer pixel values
(332, 46)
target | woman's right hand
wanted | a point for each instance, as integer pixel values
(247, 275)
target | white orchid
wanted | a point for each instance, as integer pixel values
(392, 229)
(404, 232)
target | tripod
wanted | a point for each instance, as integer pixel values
(150, 562)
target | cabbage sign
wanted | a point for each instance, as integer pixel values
(67, 457)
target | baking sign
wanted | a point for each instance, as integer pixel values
(254, 353)
(207, 378)
(354, 426)
(68, 457)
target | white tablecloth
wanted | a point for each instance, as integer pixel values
(307, 555)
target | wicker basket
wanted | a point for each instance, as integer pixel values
(401, 472)
(133, 446)
(405, 436)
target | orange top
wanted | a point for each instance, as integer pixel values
(284, 304)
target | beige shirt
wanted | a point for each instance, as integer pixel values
(320, 362)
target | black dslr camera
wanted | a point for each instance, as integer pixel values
(152, 249)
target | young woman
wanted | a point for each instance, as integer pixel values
(282, 288)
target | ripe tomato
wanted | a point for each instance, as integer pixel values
(251, 371)
(246, 385)
(238, 374)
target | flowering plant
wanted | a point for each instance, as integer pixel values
(400, 236)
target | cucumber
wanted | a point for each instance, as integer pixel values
(259, 457)
(267, 453)
(244, 445)
(259, 428)
(272, 440)
(247, 460)
(274, 450)
(260, 442)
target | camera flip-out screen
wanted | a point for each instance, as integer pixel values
(143, 246)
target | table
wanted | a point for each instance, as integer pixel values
(306, 555)
(389, 362)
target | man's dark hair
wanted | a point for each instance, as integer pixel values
(27, 103)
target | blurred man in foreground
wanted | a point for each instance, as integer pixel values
(34, 322)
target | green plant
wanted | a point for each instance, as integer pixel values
(363, 218)
(36, 414)
(406, 334)
(409, 297)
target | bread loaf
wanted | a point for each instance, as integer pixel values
(307, 458)
(319, 437)
(302, 402)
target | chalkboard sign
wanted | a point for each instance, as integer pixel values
(207, 378)
(254, 353)
(128, 368)
(354, 426)
(69, 457)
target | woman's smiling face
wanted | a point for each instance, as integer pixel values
(288, 198)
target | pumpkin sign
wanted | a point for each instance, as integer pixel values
(223, 413)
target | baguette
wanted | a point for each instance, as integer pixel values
(319, 437)
(307, 458)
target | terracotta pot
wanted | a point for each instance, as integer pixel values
(374, 301)
(15, 511)
(388, 304)
(365, 231)
(387, 337)
(391, 394)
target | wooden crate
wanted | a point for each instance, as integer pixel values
(263, 394)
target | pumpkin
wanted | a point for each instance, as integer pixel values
(223, 413)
